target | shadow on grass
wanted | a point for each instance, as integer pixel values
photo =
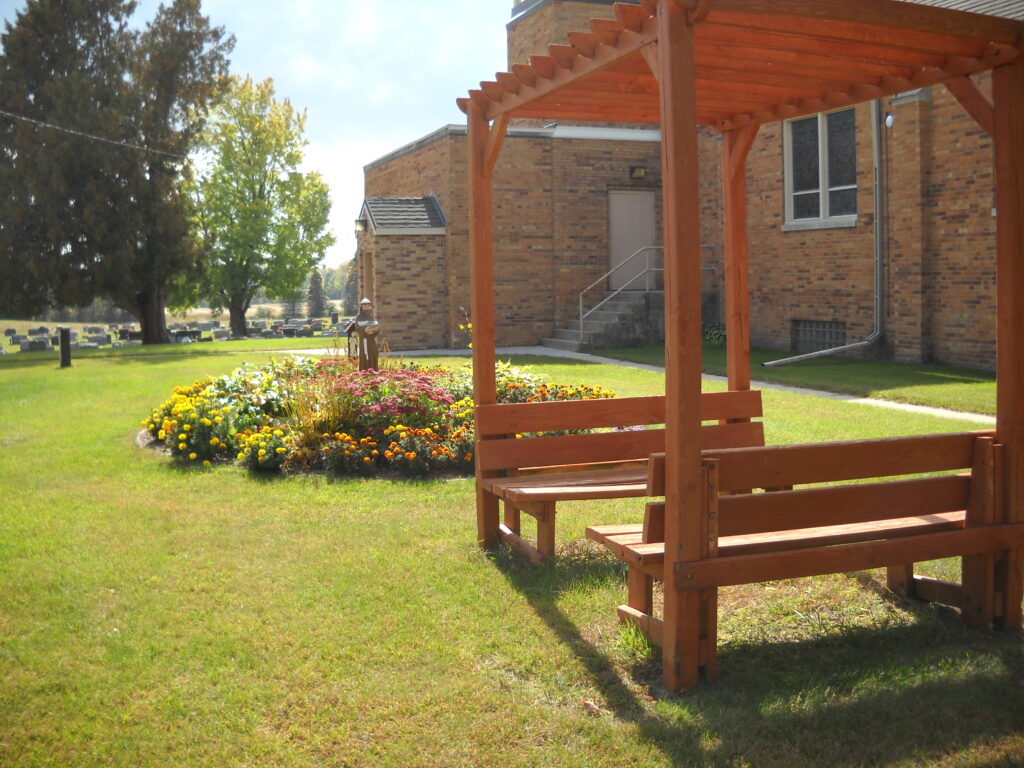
(860, 696)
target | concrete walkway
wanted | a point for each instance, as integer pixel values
(976, 418)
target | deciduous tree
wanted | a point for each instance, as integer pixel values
(262, 223)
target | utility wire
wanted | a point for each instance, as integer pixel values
(94, 137)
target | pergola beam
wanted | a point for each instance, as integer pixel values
(687, 614)
(1008, 138)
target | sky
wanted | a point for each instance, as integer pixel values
(373, 75)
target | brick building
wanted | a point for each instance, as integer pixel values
(911, 176)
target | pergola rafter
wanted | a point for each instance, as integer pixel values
(734, 65)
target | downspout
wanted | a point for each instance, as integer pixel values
(879, 225)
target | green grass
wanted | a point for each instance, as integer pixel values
(155, 616)
(959, 389)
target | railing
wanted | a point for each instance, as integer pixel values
(648, 251)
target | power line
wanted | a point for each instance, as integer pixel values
(94, 137)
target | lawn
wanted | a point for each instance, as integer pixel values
(959, 389)
(154, 616)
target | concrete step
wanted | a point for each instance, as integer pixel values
(570, 334)
(569, 346)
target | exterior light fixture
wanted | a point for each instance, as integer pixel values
(890, 119)
(637, 172)
(360, 225)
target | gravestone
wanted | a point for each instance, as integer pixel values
(221, 333)
(18, 338)
(92, 329)
(98, 338)
(10, 332)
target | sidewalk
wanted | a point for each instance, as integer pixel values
(976, 418)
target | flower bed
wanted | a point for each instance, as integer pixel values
(413, 421)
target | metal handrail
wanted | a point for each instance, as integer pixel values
(647, 270)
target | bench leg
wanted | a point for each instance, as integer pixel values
(512, 517)
(545, 515)
(1009, 583)
(640, 591)
(900, 579)
(977, 591)
(486, 518)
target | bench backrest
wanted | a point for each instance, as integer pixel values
(743, 511)
(499, 448)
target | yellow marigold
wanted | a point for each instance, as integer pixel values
(281, 450)
(192, 456)
(214, 441)
(206, 463)
(161, 434)
(219, 419)
(366, 459)
(261, 453)
(278, 433)
(182, 436)
(402, 436)
(182, 446)
(186, 427)
(241, 455)
(206, 422)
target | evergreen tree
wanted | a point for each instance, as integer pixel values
(317, 303)
(82, 218)
(350, 297)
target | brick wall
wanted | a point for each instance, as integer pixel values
(959, 275)
(825, 275)
(550, 221)
(409, 289)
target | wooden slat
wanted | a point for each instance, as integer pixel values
(772, 566)
(615, 537)
(841, 505)
(789, 465)
(937, 591)
(550, 416)
(568, 449)
(520, 544)
(653, 628)
(871, 530)
(714, 437)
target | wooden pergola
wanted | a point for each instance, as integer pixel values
(733, 65)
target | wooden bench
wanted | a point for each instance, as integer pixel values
(530, 473)
(846, 526)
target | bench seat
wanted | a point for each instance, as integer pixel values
(626, 541)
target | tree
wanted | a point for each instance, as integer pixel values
(84, 217)
(350, 295)
(317, 303)
(261, 222)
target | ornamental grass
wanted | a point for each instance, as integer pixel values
(300, 414)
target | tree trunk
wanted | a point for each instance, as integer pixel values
(148, 309)
(238, 325)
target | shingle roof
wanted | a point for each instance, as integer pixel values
(404, 213)
(1009, 9)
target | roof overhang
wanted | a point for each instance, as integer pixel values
(757, 61)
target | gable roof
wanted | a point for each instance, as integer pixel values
(404, 215)
(756, 62)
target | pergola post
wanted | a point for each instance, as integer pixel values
(689, 615)
(1008, 97)
(735, 147)
(481, 271)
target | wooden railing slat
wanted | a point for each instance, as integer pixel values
(809, 507)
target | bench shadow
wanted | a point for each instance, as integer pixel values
(757, 711)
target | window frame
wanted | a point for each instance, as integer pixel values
(824, 220)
